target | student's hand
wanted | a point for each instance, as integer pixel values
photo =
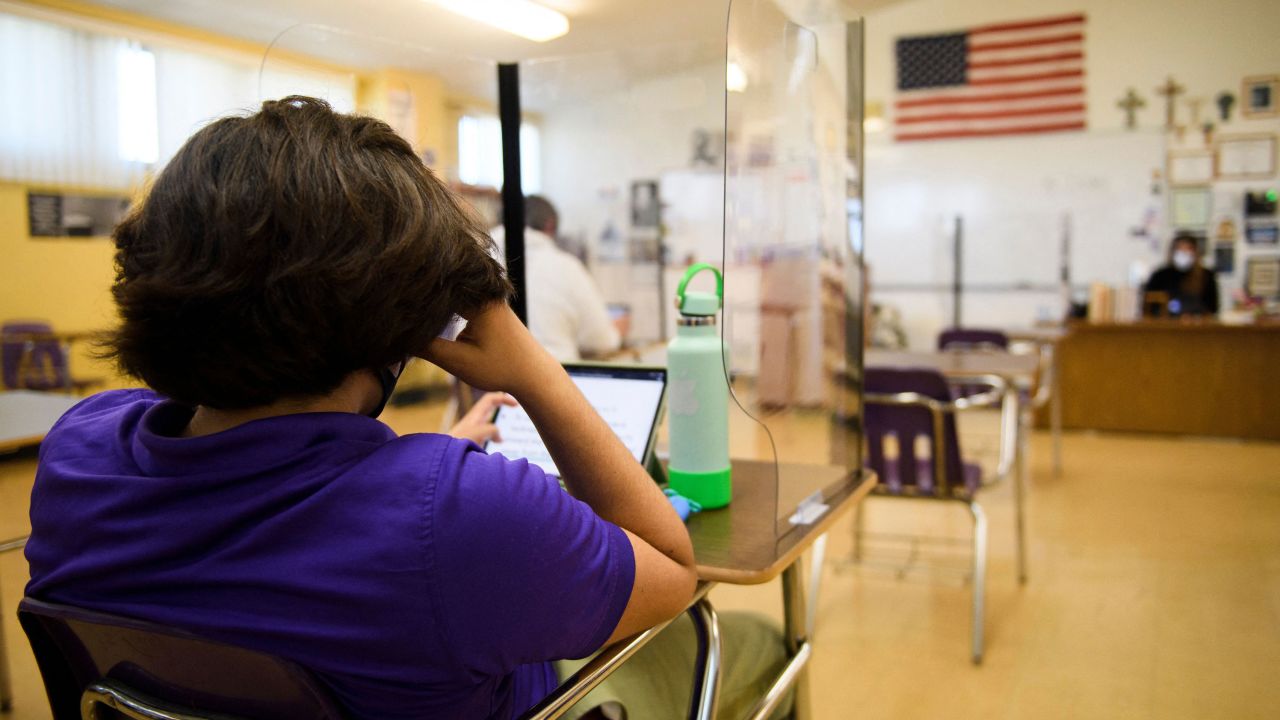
(475, 425)
(494, 352)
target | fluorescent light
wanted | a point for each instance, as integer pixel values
(735, 78)
(519, 17)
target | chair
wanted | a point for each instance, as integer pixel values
(975, 340)
(102, 667)
(904, 405)
(972, 339)
(33, 358)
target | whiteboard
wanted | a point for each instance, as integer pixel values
(1014, 194)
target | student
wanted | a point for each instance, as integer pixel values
(566, 312)
(1183, 286)
(271, 286)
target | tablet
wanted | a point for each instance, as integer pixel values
(629, 398)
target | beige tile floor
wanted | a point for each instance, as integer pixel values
(1154, 593)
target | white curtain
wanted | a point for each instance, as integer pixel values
(194, 88)
(87, 109)
(60, 107)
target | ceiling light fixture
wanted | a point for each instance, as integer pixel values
(519, 17)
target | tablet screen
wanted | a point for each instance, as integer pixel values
(627, 398)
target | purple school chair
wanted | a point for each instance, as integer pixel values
(99, 666)
(903, 406)
(972, 339)
(32, 358)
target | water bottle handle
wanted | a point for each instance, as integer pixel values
(694, 270)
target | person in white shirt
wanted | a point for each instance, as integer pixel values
(567, 314)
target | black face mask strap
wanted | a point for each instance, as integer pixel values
(387, 379)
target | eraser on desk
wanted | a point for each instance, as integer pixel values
(684, 507)
(681, 505)
(454, 328)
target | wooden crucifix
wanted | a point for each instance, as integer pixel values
(1196, 105)
(1170, 92)
(1131, 103)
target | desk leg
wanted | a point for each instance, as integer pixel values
(795, 612)
(1055, 412)
(815, 583)
(1019, 473)
(705, 696)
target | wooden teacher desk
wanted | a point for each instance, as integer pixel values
(1169, 376)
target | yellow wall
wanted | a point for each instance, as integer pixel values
(423, 121)
(65, 281)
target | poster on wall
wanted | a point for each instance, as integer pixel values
(1262, 277)
(54, 215)
(1191, 207)
(1224, 258)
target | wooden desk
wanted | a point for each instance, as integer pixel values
(737, 545)
(26, 415)
(1169, 376)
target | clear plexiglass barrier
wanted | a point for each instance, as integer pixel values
(741, 149)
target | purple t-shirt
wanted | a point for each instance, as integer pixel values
(416, 576)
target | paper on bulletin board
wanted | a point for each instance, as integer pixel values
(1191, 207)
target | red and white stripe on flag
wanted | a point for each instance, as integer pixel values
(1019, 78)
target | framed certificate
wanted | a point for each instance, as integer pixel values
(1246, 156)
(1191, 168)
(1260, 96)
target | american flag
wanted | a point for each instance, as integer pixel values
(1011, 78)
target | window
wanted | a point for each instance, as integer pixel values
(136, 80)
(97, 110)
(480, 153)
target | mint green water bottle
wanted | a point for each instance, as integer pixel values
(698, 399)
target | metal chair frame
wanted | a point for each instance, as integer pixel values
(704, 699)
(1006, 397)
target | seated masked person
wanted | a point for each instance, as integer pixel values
(1184, 286)
(279, 274)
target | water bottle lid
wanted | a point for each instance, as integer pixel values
(699, 303)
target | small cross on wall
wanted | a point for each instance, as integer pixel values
(1131, 103)
(1170, 91)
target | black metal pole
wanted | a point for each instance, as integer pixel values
(512, 192)
(957, 278)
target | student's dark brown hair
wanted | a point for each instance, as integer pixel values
(279, 252)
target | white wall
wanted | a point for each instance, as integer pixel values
(1014, 192)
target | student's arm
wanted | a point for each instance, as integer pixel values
(496, 352)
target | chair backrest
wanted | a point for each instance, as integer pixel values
(77, 648)
(911, 470)
(33, 364)
(972, 339)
